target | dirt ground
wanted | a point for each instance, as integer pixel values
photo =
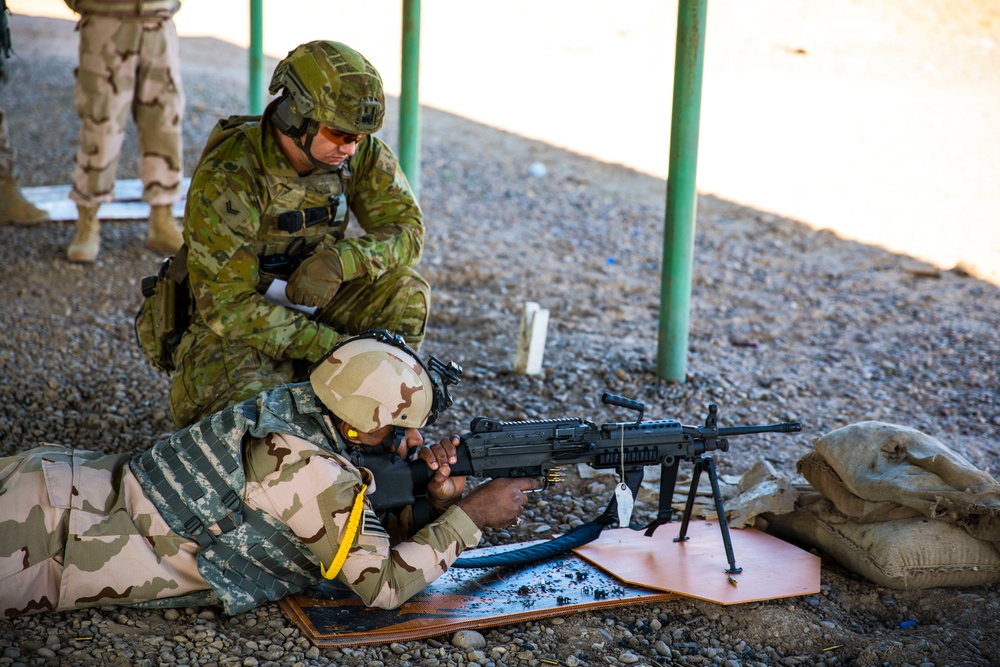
(787, 322)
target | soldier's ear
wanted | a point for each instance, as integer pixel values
(348, 431)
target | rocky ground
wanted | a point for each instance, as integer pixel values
(786, 323)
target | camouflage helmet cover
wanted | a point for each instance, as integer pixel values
(332, 84)
(370, 384)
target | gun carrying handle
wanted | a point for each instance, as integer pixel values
(622, 402)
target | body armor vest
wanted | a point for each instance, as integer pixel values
(196, 479)
(297, 212)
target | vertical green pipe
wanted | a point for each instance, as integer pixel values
(409, 96)
(682, 197)
(256, 103)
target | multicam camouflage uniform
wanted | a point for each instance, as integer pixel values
(129, 64)
(84, 529)
(240, 343)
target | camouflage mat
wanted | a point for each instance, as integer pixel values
(331, 615)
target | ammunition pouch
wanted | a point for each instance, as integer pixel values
(165, 313)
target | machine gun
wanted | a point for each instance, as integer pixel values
(543, 448)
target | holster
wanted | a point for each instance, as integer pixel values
(165, 313)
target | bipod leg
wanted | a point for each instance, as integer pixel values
(689, 505)
(721, 511)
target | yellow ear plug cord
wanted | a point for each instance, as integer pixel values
(349, 534)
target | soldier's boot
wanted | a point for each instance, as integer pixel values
(14, 208)
(164, 234)
(87, 242)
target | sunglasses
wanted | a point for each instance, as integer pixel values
(340, 138)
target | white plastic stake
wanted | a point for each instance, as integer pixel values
(531, 339)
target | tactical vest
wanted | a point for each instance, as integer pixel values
(126, 8)
(196, 479)
(297, 211)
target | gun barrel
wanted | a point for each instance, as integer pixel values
(783, 427)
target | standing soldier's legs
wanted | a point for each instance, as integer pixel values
(14, 208)
(398, 301)
(158, 108)
(105, 83)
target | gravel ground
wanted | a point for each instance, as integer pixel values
(786, 323)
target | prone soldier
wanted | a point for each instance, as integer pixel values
(256, 502)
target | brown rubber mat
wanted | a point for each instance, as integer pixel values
(697, 567)
(462, 599)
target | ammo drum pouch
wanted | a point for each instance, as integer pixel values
(165, 313)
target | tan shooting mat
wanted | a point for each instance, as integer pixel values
(697, 566)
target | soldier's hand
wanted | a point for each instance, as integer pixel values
(442, 489)
(498, 503)
(317, 279)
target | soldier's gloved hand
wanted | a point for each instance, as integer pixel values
(317, 279)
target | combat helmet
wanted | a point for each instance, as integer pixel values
(375, 380)
(328, 83)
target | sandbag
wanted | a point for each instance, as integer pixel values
(761, 490)
(908, 553)
(824, 479)
(887, 463)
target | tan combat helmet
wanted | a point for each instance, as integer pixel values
(375, 380)
(328, 83)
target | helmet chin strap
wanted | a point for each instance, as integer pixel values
(306, 147)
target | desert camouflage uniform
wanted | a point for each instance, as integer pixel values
(129, 64)
(79, 530)
(6, 152)
(239, 342)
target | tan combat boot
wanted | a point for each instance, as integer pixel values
(14, 208)
(87, 242)
(164, 234)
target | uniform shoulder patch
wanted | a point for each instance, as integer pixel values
(372, 526)
(386, 162)
(231, 209)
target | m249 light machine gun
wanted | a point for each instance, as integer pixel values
(542, 448)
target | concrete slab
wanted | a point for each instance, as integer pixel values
(128, 204)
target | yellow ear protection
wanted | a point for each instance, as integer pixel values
(351, 433)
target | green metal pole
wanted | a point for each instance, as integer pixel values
(256, 103)
(409, 96)
(682, 197)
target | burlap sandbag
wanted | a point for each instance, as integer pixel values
(761, 489)
(887, 463)
(904, 554)
(822, 477)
